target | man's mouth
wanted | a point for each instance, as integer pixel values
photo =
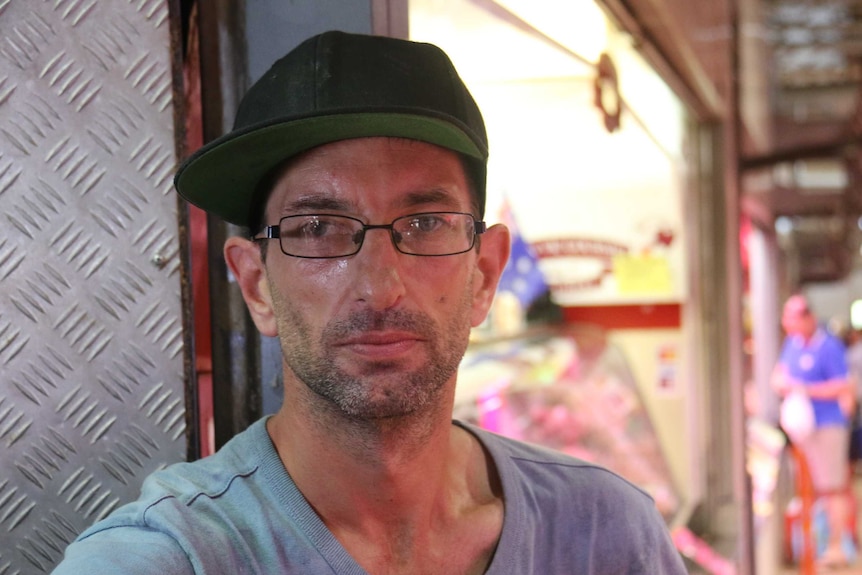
(381, 344)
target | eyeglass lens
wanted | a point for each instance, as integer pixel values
(331, 236)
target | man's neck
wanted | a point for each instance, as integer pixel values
(808, 336)
(362, 458)
(395, 487)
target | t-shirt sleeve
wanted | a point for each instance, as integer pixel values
(835, 364)
(647, 548)
(127, 550)
(668, 558)
(782, 356)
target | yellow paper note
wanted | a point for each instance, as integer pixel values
(642, 274)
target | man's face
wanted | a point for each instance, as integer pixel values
(380, 333)
(797, 319)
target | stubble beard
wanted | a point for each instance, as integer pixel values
(377, 391)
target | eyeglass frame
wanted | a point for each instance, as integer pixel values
(274, 232)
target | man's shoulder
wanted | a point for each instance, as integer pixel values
(830, 337)
(180, 485)
(211, 475)
(233, 512)
(574, 514)
(540, 467)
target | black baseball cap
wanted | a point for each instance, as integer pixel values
(335, 86)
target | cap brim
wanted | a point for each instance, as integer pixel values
(222, 177)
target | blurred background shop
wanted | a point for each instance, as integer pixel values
(671, 170)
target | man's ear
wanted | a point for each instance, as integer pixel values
(243, 258)
(492, 258)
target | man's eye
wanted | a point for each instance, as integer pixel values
(426, 224)
(317, 229)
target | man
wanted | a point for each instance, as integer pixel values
(853, 342)
(813, 360)
(358, 163)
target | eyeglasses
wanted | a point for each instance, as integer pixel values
(331, 236)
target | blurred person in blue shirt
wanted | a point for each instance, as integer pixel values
(813, 360)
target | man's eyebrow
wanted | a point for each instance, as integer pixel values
(427, 197)
(411, 200)
(316, 202)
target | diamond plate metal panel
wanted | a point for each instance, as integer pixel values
(91, 340)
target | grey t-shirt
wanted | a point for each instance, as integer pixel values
(239, 512)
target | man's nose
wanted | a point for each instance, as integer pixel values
(378, 265)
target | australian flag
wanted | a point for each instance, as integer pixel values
(521, 275)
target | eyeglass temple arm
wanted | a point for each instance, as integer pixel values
(269, 233)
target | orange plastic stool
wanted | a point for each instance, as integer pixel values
(805, 491)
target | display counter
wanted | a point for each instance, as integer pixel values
(568, 389)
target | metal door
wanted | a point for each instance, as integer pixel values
(92, 346)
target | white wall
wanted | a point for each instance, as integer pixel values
(831, 301)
